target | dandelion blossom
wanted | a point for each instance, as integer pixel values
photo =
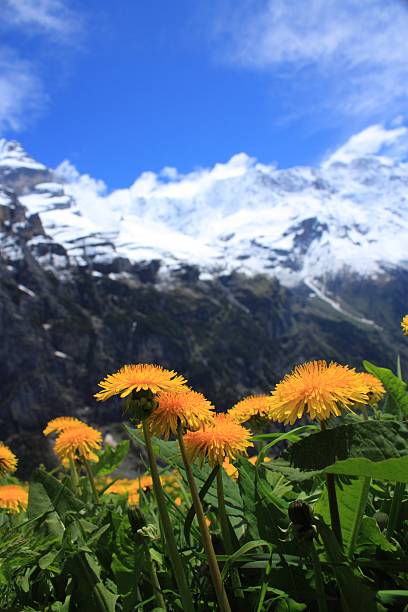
(60, 424)
(189, 408)
(8, 460)
(317, 389)
(404, 325)
(249, 407)
(13, 498)
(138, 377)
(77, 442)
(375, 387)
(222, 439)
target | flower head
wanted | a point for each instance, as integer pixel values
(60, 424)
(375, 388)
(76, 442)
(222, 439)
(8, 460)
(404, 325)
(318, 389)
(189, 408)
(249, 407)
(13, 498)
(138, 377)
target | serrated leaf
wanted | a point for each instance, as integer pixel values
(111, 459)
(395, 387)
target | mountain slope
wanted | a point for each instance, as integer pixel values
(230, 276)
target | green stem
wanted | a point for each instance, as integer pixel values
(74, 477)
(319, 582)
(395, 508)
(205, 534)
(91, 479)
(178, 568)
(153, 577)
(226, 534)
(333, 505)
(264, 587)
(358, 517)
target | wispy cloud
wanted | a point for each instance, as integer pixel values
(354, 50)
(23, 89)
(374, 140)
(50, 17)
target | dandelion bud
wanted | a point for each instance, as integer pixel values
(136, 519)
(299, 514)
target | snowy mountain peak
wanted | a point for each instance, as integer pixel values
(12, 156)
(299, 224)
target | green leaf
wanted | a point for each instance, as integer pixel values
(356, 594)
(374, 440)
(61, 497)
(41, 508)
(371, 537)
(393, 598)
(394, 470)
(348, 498)
(89, 592)
(262, 509)
(395, 387)
(111, 459)
(241, 552)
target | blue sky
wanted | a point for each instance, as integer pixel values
(122, 87)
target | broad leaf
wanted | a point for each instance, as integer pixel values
(374, 440)
(394, 470)
(396, 388)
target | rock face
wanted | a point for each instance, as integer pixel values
(68, 318)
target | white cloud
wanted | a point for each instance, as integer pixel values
(374, 140)
(21, 91)
(51, 17)
(355, 50)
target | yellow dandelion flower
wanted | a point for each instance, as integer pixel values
(230, 469)
(404, 325)
(249, 407)
(222, 439)
(254, 459)
(13, 498)
(76, 442)
(375, 387)
(60, 424)
(8, 460)
(131, 487)
(318, 389)
(137, 377)
(188, 407)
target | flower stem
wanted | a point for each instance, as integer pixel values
(333, 506)
(358, 517)
(205, 534)
(153, 577)
(226, 534)
(91, 479)
(319, 582)
(180, 576)
(74, 477)
(395, 508)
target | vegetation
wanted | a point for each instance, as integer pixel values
(233, 517)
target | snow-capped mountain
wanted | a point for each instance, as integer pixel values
(91, 280)
(299, 224)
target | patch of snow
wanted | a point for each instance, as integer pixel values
(27, 291)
